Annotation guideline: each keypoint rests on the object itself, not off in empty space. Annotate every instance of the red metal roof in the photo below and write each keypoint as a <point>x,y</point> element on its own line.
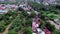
<point>47,31</point>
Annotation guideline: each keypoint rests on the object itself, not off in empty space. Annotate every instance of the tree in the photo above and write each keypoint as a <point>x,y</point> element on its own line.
<point>27,30</point>
<point>1,17</point>
<point>12,32</point>
<point>56,32</point>
<point>50,27</point>
<point>2,26</point>
<point>20,9</point>
<point>28,22</point>
<point>24,13</point>
<point>33,14</point>
<point>42,24</point>
<point>57,6</point>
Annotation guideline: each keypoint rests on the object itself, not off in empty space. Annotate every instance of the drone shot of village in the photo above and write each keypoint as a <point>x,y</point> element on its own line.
<point>29,16</point>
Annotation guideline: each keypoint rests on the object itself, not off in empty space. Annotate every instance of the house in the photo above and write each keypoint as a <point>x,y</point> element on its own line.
<point>13,7</point>
<point>33,33</point>
<point>3,11</point>
<point>2,7</point>
<point>29,13</point>
<point>39,31</point>
<point>47,2</point>
<point>7,6</point>
<point>33,26</point>
<point>47,31</point>
<point>24,6</point>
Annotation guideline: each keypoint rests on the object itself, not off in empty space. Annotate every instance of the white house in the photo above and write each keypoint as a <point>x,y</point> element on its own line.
<point>39,31</point>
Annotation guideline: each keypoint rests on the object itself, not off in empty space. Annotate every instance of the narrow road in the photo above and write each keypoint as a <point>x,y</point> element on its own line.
<point>57,26</point>
<point>6,30</point>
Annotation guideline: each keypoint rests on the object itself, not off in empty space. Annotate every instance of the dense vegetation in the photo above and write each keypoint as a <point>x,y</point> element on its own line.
<point>21,20</point>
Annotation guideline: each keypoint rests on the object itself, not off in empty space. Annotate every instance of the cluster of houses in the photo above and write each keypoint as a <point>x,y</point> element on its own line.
<point>36,30</point>
<point>5,7</point>
<point>35,26</point>
<point>7,0</point>
<point>25,6</point>
<point>35,23</point>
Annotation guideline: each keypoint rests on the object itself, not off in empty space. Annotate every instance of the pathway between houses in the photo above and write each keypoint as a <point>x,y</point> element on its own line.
<point>6,30</point>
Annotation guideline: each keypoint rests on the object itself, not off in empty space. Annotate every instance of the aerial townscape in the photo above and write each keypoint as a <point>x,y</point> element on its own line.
<point>29,16</point>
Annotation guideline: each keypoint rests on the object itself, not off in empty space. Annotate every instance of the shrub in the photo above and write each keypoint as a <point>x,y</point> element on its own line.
<point>12,32</point>
<point>27,30</point>
<point>50,27</point>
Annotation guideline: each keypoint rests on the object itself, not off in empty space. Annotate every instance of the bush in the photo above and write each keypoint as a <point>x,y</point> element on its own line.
<point>27,30</point>
<point>2,28</point>
<point>28,22</point>
<point>56,32</point>
<point>42,24</point>
<point>24,13</point>
<point>33,14</point>
<point>12,32</point>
